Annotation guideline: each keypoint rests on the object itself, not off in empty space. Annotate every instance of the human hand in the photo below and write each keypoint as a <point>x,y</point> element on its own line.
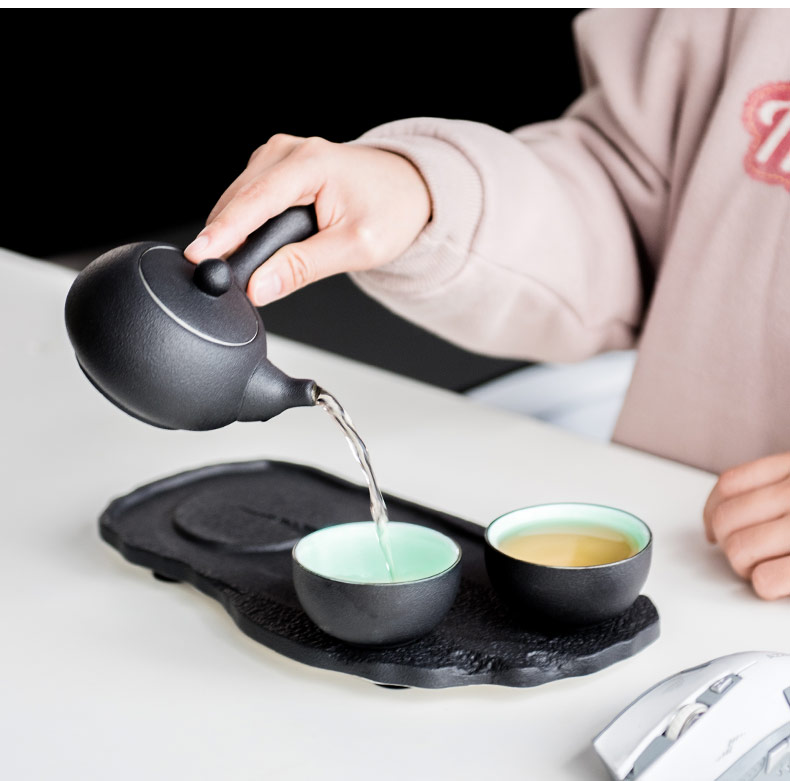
<point>748,514</point>
<point>370,206</point>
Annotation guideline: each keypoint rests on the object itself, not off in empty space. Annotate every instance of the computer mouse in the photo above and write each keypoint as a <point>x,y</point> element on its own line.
<point>727,719</point>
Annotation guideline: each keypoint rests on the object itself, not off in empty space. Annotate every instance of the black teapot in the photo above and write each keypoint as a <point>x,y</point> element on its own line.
<point>179,345</point>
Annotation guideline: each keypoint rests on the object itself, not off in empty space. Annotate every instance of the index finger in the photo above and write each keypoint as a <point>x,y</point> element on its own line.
<point>744,478</point>
<point>291,182</point>
<point>264,157</point>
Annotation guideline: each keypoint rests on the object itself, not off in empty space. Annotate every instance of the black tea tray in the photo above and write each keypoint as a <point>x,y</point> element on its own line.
<point>229,529</point>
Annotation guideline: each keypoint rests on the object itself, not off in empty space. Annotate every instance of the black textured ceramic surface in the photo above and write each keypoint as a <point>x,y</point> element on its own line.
<point>179,347</point>
<point>354,611</point>
<point>228,529</point>
<point>574,595</point>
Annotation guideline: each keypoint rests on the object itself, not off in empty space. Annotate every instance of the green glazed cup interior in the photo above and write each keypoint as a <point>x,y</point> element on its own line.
<point>350,552</point>
<point>545,518</point>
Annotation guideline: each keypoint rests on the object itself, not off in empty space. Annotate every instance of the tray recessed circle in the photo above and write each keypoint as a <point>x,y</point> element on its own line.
<point>236,526</point>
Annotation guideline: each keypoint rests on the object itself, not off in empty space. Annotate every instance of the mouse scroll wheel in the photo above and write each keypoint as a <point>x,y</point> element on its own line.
<point>684,718</point>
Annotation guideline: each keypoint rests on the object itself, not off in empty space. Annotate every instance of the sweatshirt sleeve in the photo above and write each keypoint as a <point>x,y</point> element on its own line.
<point>540,239</point>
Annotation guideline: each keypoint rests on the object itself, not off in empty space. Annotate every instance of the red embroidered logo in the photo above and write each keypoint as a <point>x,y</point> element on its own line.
<point>766,115</point>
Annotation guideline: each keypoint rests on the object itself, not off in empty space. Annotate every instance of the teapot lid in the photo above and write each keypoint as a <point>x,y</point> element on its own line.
<point>219,313</point>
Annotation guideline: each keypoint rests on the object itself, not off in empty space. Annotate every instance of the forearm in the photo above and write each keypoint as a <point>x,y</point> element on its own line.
<point>518,260</point>
<point>544,240</point>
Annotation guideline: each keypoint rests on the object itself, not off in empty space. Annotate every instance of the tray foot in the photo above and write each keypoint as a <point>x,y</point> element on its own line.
<point>165,578</point>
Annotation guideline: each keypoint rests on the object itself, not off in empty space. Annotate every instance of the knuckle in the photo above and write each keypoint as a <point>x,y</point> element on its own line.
<point>718,520</point>
<point>313,146</point>
<point>256,154</point>
<point>222,226</point>
<point>728,481</point>
<point>366,242</point>
<point>301,268</point>
<point>218,225</point>
<point>253,191</point>
<point>276,142</point>
<point>279,140</point>
<point>763,582</point>
<point>738,552</point>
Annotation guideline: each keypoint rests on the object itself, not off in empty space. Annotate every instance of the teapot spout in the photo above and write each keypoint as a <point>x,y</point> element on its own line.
<point>270,392</point>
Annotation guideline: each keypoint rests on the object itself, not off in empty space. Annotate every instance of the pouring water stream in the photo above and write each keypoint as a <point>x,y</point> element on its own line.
<point>378,509</point>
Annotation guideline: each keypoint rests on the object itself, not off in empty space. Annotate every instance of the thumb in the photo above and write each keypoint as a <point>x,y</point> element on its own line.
<point>296,265</point>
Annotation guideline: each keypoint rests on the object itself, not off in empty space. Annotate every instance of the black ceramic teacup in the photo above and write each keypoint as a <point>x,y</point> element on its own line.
<point>343,584</point>
<point>573,595</point>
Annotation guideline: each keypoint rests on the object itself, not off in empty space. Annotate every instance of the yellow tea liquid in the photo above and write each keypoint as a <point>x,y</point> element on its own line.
<point>571,545</point>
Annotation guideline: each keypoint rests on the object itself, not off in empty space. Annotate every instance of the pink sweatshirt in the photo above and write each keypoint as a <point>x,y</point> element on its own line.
<point>655,212</point>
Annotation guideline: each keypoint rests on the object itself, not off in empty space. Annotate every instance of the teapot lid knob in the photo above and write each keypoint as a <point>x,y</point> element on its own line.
<point>213,277</point>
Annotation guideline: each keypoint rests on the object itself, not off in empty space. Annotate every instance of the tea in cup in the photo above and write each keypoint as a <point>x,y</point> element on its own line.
<point>572,563</point>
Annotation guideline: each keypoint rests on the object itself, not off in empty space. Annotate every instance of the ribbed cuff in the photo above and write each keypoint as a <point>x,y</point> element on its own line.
<point>441,250</point>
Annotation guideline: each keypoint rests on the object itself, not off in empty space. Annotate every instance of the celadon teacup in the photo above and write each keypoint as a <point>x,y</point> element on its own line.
<point>343,585</point>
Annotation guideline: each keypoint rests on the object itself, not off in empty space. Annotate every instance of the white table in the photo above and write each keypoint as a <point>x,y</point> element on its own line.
<point>109,674</point>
